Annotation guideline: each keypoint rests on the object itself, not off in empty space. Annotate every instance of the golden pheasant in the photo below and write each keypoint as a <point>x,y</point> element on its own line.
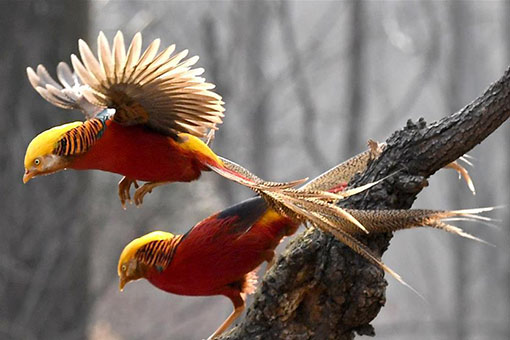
<point>146,113</point>
<point>219,255</point>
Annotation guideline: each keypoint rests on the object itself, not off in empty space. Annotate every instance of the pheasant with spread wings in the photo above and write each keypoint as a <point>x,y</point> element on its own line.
<point>146,114</point>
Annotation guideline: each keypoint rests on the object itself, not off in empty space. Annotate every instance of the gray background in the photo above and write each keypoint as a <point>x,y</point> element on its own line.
<point>306,84</point>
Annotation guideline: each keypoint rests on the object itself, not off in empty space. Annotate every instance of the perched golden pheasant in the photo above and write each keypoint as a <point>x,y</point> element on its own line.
<point>219,255</point>
<point>146,113</point>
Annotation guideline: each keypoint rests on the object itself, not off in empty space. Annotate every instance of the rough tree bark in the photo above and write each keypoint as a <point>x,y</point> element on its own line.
<point>319,288</point>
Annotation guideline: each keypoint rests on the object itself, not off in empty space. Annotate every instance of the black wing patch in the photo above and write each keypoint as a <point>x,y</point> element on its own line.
<point>246,212</point>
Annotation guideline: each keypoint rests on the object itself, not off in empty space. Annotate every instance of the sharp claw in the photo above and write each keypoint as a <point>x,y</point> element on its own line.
<point>124,191</point>
<point>143,190</point>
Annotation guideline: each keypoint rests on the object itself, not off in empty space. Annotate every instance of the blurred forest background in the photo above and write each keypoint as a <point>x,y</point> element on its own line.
<point>306,84</point>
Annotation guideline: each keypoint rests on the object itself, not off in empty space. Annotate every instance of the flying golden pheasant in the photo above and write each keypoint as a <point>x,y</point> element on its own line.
<point>146,113</point>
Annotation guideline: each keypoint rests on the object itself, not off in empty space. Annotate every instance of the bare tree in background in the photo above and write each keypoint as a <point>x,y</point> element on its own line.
<point>431,56</point>
<point>506,27</point>
<point>306,58</point>
<point>45,260</point>
<point>219,71</point>
<point>302,87</point>
<point>458,77</point>
<point>257,16</point>
<point>355,78</point>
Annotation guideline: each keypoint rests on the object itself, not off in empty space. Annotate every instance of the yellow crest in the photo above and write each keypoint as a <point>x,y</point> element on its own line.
<point>130,250</point>
<point>45,142</point>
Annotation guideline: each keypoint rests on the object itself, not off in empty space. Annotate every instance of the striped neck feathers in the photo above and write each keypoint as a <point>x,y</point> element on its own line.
<point>155,249</point>
<point>80,138</point>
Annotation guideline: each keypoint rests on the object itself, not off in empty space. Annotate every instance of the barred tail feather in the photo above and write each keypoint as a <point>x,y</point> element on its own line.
<point>319,221</point>
<point>342,173</point>
<point>280,196</point>
<point>377,221</point>
<point>310,204</point>
<point>324,216</point>
<point>345,171</point>
<point>237,170</point>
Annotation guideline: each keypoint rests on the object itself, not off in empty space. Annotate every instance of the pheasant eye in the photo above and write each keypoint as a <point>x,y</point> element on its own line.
<point>123,268</point>
<point>37,161</point>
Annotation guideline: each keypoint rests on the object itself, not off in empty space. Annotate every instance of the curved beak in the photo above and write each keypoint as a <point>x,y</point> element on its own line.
<point>122,282</point>
<point>27,176</point>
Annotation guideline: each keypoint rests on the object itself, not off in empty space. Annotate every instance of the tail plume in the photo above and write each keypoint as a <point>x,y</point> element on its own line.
<point>312,204</point>
<point>343,172</point>
<point>379,221</point>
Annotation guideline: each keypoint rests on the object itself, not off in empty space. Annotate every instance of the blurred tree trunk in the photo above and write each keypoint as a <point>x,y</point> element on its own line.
<point>250,28</point>
<point>257,16</point>
<point>219,71</point>
<point>506,41</point>
<point>302,87</point>
<point>355,78</point>
<point>458,77</point>
<point>44,246</point>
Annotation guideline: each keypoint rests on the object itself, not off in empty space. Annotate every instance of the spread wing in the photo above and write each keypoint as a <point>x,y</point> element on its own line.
<point>158,90</point>
<point>68,94</point>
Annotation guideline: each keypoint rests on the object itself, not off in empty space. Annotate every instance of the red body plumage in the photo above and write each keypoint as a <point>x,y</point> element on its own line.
<point>216,255</point>
<point>139,153</point>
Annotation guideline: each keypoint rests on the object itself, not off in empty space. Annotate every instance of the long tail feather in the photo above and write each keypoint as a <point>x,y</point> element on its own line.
<point>236,170</point>
<point>321,222</point>
<point>377,221</point>
<point>357,190</point>
<point>280,195</point>
<point>312,205</point>
<point>344,172</point>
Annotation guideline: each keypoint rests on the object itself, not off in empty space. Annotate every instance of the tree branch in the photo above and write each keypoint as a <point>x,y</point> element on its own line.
<point>319,288</point>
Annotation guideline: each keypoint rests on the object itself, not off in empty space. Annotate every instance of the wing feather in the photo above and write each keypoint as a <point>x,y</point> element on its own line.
<point>144,61</point>
<point>83,73</point>
<point>119,55</point>
<point>153,68</point>
<point>105,59</point>
<point>57,101</point>
<point>45,77</point>
<point>133,55</point>
<point>159,90</point>
<point>65,75</point>
<point>91,64</point>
